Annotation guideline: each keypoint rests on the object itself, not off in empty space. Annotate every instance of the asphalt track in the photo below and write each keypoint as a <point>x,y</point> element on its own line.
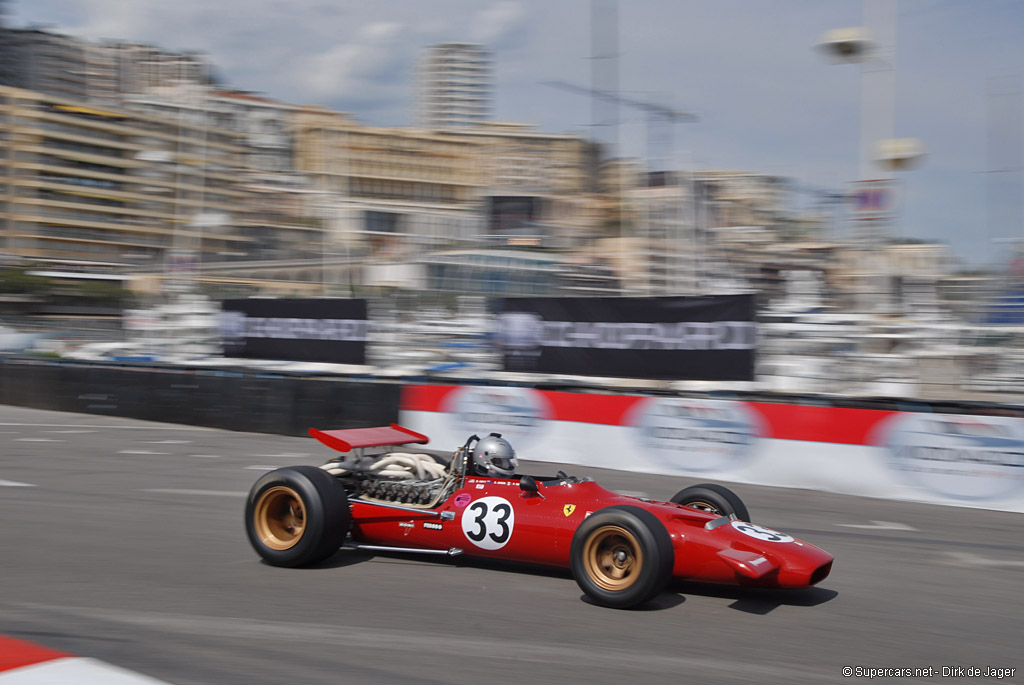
<point>123,540</point>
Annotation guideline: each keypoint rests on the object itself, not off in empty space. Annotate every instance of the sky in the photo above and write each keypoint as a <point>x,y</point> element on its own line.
<point>767,100</point>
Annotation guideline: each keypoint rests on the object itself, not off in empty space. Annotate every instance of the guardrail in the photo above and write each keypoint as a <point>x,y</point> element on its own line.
<point>954,453</point>
<point>242,400</point>
<point>971,456</point>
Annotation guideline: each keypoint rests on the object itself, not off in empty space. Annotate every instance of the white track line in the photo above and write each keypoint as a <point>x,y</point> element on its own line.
<point>160,427</point>
<point>15,484</point>
<point>282,455</point>
<point>968,559</point>
<point>878,525</point>
<point>210,493</point>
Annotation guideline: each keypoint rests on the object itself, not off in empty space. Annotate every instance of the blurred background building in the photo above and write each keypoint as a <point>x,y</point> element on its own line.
<point>132,165</point>
<point>49,62</point>
<point>453,86</point>
<point>108,186</point>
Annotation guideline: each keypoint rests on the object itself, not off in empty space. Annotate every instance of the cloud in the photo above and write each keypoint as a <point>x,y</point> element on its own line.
<point>111,19</point>
<point>500,26</point>
<point>370,67</point>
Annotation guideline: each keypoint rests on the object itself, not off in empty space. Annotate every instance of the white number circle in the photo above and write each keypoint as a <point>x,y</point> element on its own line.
<point>488,522</point>
<point>760,532</point>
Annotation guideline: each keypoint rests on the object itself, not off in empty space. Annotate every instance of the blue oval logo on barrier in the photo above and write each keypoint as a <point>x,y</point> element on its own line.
<point>969,458</point>
<point>516,413</point>
<point>694,435</point>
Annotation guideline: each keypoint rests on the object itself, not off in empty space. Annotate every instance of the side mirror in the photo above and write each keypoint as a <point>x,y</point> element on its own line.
<point>529,486</point>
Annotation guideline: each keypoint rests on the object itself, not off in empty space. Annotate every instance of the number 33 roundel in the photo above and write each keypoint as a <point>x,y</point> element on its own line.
<point>488,522</point>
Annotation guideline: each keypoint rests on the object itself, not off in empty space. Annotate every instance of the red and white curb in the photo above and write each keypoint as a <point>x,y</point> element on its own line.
<point>25,663</point>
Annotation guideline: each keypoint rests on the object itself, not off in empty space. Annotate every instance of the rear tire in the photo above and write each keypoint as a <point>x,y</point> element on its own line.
<point>297,515</point>
<point>621,556</point>
<point>712,498</point>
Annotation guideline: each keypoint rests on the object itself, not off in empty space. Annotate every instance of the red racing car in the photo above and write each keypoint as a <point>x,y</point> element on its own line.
<point>381,495</point>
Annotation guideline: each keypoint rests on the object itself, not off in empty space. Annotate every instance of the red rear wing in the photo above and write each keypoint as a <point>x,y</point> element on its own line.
<point>351,438</point>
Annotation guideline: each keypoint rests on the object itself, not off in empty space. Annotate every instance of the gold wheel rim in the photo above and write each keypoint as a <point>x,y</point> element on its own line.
<point>704,506</point>
<point>280,518</point>
<point>613,558</point>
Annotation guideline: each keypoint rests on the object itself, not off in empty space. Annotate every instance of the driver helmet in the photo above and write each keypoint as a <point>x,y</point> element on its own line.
<point>494,456</point>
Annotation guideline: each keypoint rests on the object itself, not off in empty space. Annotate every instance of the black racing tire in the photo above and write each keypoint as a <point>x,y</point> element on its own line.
<point>297,515</point>
<point>621,556</point>
<point>713,498</point>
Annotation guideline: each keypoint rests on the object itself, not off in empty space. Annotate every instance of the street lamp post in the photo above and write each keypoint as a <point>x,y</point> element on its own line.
<point>878,149</point>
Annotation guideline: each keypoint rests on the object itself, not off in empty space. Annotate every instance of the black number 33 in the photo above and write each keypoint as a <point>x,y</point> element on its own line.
<point>503,511</point>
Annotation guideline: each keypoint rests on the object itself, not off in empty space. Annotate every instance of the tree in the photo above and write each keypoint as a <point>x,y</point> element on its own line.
<point>19,281</point>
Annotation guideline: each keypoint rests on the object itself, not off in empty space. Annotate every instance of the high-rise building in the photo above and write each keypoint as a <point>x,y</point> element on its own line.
<point>453,86</point>
<point>66,66</point>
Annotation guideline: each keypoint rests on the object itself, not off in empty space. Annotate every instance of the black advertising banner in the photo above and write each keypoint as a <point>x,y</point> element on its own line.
<point>668,338</point>
<point>328,330</point>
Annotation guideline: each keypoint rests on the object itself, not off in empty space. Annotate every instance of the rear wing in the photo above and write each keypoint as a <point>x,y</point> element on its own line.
<point>348,439</point>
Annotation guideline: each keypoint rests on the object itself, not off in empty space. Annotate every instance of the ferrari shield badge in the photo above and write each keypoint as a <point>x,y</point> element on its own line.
<point>568,509</point>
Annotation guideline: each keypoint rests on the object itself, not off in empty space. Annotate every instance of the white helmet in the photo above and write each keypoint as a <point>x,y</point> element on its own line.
<point>494,456</point>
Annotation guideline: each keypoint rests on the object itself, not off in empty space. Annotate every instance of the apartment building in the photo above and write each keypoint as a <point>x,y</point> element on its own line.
<point>262,125</point>
<point>453,86</point>
<point>403,189</point>
<point>741,198</point>
<point>79,69</point>
<point>140,67</point>
<point>537,188</point>
<point>43,61</point>
<point>453,176</point>
<point>107,187</point>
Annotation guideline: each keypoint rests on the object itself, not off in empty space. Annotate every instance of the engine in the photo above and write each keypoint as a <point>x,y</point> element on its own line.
<point>396,477</point>
<point>401,491</point>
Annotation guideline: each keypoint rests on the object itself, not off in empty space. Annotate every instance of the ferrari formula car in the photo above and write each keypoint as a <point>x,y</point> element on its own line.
<point>381,495</point>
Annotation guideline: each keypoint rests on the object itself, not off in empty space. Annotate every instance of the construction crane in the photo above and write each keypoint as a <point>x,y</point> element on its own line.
<point>660,118</point>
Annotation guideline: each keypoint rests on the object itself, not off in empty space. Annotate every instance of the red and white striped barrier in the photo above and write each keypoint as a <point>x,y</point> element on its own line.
<point>26,663</point>
<point>956,459</point>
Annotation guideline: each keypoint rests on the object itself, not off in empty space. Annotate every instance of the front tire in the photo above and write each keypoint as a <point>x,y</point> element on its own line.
<point>621,556</point>
<point>297,515</point>
<point>712,498</point>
